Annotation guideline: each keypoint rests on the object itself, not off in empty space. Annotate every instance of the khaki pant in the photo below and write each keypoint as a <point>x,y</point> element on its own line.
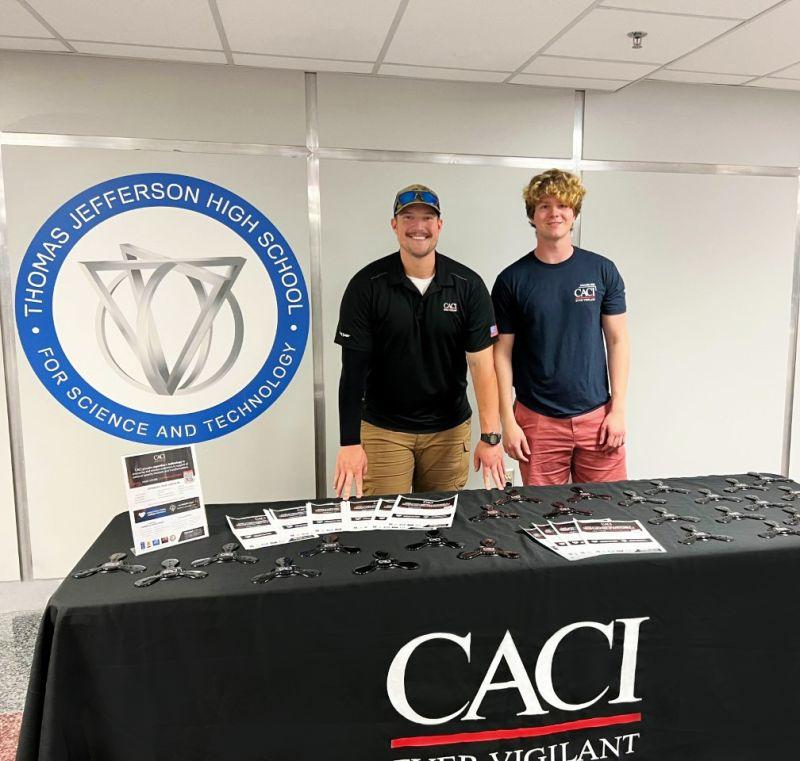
<point>399,463</point>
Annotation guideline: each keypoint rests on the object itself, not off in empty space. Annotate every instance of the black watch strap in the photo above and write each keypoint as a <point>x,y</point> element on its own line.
<point>491,438</point>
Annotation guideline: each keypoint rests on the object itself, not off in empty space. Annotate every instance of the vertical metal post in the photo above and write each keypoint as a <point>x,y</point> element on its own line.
<point>315,249</point>
<point>791,368</point>
<point>9,349</point>
<point>577,151</point>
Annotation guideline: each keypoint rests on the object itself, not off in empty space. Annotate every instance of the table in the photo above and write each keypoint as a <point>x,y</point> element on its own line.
<point>693,654</point>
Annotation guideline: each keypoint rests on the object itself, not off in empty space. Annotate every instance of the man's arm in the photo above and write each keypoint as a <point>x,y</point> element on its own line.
<point>490,458</point>
<point>615,331</point>
<point>514,441</point>
<point>351,462</point>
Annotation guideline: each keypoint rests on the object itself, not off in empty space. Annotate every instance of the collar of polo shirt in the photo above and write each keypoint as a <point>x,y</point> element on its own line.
<point>441,273</point>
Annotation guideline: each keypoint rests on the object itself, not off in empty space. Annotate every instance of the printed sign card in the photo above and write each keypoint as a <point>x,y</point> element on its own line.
<point>165,501</point>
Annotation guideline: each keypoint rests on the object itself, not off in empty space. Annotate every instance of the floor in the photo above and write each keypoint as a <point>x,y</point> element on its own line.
<point>21,606</point>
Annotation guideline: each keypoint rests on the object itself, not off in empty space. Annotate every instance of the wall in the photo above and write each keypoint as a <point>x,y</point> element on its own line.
<point>707,250</point>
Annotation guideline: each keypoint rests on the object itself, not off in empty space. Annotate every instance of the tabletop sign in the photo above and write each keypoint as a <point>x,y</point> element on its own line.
<point>165,501</point>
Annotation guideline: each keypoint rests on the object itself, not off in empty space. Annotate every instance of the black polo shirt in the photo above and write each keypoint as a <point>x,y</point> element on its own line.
<point>417,377</point>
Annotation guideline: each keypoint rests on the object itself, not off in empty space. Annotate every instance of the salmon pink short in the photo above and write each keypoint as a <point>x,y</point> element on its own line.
<point>564,449</point>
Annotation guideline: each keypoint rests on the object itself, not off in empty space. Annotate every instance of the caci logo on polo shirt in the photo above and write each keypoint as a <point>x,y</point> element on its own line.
<point>585,292</point>
<point>450,306</point>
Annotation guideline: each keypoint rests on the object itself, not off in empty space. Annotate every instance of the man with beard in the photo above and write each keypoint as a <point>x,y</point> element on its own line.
<point>409,326</point>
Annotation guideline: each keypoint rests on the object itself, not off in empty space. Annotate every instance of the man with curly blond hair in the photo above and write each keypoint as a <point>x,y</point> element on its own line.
<point>554,308</point>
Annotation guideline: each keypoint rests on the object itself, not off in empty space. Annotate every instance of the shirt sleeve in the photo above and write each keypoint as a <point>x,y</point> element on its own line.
<point>614,296</point>
<point>480,330</point>
<point>355,365</point>
<point>504,307</point>
<point>354,330</point>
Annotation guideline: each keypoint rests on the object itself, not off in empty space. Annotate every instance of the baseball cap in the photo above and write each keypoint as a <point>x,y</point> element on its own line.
<point>416,194</point>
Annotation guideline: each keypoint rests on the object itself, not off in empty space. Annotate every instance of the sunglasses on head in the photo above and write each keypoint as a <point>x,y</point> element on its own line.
<point>412,196</point>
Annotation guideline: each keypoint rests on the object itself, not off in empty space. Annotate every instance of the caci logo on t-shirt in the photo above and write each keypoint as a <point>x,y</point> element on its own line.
<point>585,292</point>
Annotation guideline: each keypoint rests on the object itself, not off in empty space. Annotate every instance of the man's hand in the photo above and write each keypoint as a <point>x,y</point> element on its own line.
<point>490,458</point>
<point>515,442</point>
<point>612,431</point>
<point>351,465</point>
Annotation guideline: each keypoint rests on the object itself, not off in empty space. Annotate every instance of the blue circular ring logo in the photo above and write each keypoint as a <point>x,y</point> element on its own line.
<point>64,229</point>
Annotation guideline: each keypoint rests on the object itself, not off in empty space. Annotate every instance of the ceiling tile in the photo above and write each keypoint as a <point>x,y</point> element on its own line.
<point>725,8</point>
<point>602,34</point>
<point>18,22</point>
<point>144,51</point>
<point>761,46</point>
<point>791,72</point>
<point>32,43</point>
<point>698,77</point>
<point>575,83</point>
<point>579,67</point>
<point>183,23</point>
<point>499,35</point>
<point>303,64</point>
<point>345,29</point>
<point>428,72</point>
<point>774,83</point>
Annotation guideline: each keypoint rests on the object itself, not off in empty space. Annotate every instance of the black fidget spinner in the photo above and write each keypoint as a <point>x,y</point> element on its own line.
<point>329,543</point>
<point>230,554</point>
<point>114,563</point>
<point>666,516</point>
<point>435,539</point>
<point>491,511</point>
<point>582,494</point>
<point>638,499</point>
<point>737,485</point>
<point>710,496</point>
<point>791,494</point>
<point>695,535</point>
<point>285,568</point>
<point>767,480</point>
<point>562,510</point>
<point>383,561</point>
<point>775,529</point>
<point>661,488</point>
<point>732,515</point>
<point>760,504</point>
<point>171,570</point>
<point>488,548</point>
<point>795,519</point>
<point>512,495</point>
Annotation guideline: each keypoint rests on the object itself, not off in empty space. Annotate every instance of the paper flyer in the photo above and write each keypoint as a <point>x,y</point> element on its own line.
<point>165,501</point>
<point>294,522</point>
<point>255,531</point>
<point>413,513</point>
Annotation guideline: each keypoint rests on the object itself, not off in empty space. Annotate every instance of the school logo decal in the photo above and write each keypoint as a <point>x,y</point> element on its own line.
<point>162,308</point>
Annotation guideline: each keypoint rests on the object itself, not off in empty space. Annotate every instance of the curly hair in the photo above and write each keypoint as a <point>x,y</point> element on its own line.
<point>564,186</point>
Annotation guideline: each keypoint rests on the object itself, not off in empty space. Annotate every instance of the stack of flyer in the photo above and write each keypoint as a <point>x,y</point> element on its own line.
<point>282,525</point>
<point>576,540</point>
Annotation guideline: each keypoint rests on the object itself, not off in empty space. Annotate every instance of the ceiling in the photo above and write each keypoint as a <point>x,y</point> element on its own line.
<point>580,44</point>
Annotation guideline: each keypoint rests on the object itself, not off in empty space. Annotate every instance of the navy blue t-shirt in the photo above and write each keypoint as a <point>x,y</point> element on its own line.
<point>553,310</point>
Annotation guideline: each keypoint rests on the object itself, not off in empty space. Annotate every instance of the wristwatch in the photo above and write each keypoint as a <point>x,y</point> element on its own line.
<point>491,438</point>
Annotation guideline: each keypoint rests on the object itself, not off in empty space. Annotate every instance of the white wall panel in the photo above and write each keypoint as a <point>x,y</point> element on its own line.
<point>9,561</point>
<point>484,227</point>
<point>447,117</point>
<point>77,95</point>
<point>659,121</point>
<point>73,470</point>
<point>707,262</point>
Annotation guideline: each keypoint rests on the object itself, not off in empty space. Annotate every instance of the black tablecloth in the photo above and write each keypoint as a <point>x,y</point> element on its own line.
<point>220,669</point>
